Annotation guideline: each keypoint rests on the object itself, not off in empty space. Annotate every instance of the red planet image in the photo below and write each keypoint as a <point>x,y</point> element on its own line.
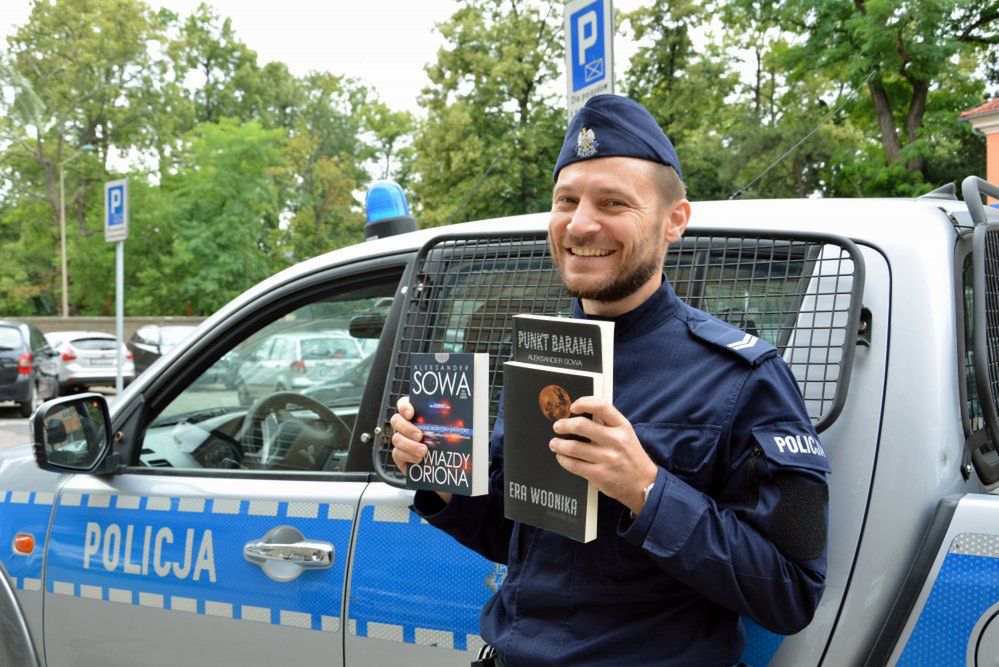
<point>554,402</point>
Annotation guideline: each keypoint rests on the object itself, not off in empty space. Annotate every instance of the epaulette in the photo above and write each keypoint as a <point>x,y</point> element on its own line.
<point>751,348</point>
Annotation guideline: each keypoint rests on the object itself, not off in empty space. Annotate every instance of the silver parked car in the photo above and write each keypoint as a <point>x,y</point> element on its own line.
<point>88,358</point>
<point>294,361</point>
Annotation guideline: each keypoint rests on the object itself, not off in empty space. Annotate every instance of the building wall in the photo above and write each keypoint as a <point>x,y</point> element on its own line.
<point>992,160</point>
<point>105,324</point>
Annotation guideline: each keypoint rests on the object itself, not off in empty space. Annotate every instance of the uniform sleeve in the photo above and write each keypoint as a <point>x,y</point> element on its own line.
<point>759,548</point>
<point>476,522</point>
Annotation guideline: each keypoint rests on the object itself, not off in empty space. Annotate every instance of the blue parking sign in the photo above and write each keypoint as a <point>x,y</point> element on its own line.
<point>589,30</point>
<point>116,210</point>
<point>587,40</point>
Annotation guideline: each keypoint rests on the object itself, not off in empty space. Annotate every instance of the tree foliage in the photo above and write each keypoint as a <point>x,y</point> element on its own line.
<point>491,98</point>
<point>236,168</point>
<point>239,168</point>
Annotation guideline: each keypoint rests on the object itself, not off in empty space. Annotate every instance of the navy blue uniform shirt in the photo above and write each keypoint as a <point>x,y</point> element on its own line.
<point>735,524</point>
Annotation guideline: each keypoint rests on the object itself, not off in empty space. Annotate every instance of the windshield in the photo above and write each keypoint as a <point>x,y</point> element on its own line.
<point>10,338</point>
<point>94,343</point>
<point>329,348</point>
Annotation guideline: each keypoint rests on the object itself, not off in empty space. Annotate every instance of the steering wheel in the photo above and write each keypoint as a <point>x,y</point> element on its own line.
<point>277,403</point>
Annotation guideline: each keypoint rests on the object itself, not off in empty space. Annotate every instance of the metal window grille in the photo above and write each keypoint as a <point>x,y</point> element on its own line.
<point>799,292</point>
<point>985,358</point>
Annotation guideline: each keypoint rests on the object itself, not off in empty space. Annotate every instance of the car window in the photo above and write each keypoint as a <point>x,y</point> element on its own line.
<point>753,296</point>
<point>281,350</point>
<point>37,339</point>
<point>10,338</point>
<point>103,344</point>
<point>148,335</point>
<point>295,412</point>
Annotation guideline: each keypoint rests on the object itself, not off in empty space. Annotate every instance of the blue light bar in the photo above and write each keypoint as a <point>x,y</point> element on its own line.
<point>385,199</point>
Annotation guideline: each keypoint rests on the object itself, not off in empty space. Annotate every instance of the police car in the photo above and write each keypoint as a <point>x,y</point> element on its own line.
<point>189,525</point>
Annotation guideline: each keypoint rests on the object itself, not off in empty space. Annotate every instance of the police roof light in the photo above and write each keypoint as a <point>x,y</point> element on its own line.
<point>387,211</point>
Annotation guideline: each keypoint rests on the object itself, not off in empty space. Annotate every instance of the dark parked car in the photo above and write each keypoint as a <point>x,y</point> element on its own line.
<point>151,342</point>
<point>27,366</point>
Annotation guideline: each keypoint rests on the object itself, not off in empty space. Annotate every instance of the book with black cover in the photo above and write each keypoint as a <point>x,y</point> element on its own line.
<point>450,398</point>
<point>556,361</point>
<point>564,342</point>
<point>538,490</point>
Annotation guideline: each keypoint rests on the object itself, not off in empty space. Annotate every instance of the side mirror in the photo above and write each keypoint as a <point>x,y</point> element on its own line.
<point>73,434</point>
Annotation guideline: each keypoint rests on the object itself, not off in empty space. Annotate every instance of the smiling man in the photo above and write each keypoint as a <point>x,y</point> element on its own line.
<point>706,514</point>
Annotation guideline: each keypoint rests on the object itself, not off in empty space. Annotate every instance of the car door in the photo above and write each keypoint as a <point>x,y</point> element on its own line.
<point>225,540</point>
<point>415,595</point>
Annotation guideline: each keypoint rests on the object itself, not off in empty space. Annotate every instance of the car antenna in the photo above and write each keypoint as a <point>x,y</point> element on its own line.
<point>471,192</point>
<point>738,193</point>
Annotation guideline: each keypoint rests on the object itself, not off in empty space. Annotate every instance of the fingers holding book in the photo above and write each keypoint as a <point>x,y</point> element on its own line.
<point>613,458</point>
<point>407,441</point>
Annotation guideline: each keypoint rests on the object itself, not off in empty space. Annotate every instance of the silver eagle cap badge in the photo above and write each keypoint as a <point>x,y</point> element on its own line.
<point>586,143</point>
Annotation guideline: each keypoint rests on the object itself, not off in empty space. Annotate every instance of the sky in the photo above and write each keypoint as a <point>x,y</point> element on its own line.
<point>384,43</point>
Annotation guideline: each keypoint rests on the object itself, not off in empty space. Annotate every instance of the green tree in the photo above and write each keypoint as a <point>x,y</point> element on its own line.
<point>323,168</point>
<point>71,75</point>
<point>208,53</point>
<point>393,132</point>
<point>492,95</point>
<point>223,76</point>
<point>223,198</point>
<point>685,88</point>
<point>915,48</point>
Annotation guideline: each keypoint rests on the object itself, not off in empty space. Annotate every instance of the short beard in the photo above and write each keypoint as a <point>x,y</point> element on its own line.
<point>620,286</point>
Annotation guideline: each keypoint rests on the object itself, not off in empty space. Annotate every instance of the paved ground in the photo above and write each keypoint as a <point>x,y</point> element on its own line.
<point>14,428</point>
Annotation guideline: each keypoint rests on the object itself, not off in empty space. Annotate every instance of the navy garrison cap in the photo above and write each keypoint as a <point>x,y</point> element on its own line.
<point>611,125</point>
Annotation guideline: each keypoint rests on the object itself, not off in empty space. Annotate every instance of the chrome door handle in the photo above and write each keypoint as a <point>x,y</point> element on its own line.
<point>284,553</point>
<point>306,554</point>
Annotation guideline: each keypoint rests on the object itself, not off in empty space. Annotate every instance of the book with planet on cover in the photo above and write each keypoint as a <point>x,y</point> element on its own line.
<point>450,398</point>
<point>579,355</point>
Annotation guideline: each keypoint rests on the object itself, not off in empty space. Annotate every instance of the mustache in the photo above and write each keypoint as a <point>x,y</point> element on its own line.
<point>594,240</point>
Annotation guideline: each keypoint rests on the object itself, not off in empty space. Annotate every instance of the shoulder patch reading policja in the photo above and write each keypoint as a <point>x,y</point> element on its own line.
<point>586,143</point>
<point>798,522</point>
<point>792,444</point>
<point>745,345</point>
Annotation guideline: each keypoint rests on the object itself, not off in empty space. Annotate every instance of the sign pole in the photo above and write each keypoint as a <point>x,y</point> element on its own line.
<point>116,231</point>
<point>119,308</point>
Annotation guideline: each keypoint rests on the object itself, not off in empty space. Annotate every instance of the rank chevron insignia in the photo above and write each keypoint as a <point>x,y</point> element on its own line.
<point>748,341</point>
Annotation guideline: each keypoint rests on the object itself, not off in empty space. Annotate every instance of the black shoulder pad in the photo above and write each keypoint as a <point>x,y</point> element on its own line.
<point>749,347</point>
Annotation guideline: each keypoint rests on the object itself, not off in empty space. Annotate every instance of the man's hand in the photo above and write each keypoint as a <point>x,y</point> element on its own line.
<point>407,441</point>
<point>614,459</point>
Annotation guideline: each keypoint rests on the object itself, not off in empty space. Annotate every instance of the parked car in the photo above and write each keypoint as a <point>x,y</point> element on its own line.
<point>152,341</point>
<point>89,358</point>
<point>295,361</point>
<point>27,367</point>
<point>344,387</point>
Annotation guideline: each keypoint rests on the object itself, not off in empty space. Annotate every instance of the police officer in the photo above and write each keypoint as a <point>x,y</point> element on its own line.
<point>713,496</point>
